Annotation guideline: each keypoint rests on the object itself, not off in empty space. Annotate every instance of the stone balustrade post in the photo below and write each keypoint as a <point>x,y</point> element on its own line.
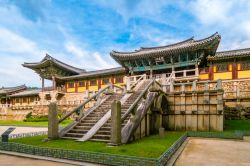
<point>53,121</point>
<point>128,84</point>
<point>194,86</point>
<point>164,82</point>
<point>219,85</point>
<point>196,70</point>
<point>115,123</point>
<point>206,88</point>
<point>184,73</point>
<point>171,86</point>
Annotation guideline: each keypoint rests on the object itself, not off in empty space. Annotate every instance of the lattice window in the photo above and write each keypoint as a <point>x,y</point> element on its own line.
<point>245,66</point>
<point>222,68</point>
<point>183,57</point>
<point>71,85</point>
<point>25,100</point>
<point>119,80</point>
<point>82,84</point>
<point>176,58</point>
<point>191,56</point>
<point>93,83</point>
<point>105,81</point>
<point>204,70</point>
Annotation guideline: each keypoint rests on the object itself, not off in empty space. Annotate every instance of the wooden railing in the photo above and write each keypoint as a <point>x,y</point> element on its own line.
<point>186,73</point>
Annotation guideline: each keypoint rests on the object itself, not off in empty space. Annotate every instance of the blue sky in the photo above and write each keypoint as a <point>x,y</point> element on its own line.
<point>83,32</point>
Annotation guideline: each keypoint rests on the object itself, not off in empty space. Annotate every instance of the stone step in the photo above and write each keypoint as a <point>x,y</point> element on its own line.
<point>99,136</point>
<point>79,131</point>
<point>78,135</point>
<point>83,127</point>
<point>101,132</point>
<point>74,138</point>
<point>86,124</point>
<point>99,140</point>
<point>89,120</point>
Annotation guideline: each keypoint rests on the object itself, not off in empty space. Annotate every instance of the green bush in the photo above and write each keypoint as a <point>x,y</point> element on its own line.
<point>36,118</point>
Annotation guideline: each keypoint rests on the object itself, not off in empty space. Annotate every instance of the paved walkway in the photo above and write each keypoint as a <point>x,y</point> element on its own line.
<point>215,152</point>
<point>8,160</point>
<point>19,130</point>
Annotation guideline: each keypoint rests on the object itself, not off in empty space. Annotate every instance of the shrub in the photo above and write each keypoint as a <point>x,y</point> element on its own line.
<point>35,118</point>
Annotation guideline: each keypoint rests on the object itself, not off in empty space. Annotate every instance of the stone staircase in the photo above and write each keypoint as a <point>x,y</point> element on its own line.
<point>104,133</point>
<point>89,121</point>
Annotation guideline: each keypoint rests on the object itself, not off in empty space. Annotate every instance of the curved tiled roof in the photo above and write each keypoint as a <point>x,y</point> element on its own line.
<point>48,59</point>
<point>230,54</point>
<point>169,49</point>
<point>7,90</point>
<point>28,92</point>
<point>91,74</point>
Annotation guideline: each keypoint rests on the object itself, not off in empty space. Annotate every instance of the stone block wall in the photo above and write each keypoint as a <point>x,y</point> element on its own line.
<point>195,109</point>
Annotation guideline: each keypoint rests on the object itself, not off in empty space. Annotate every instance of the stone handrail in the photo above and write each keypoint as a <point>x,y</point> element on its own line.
<point>85,102</point>
<point>137,100</point>
<point>137,81</point>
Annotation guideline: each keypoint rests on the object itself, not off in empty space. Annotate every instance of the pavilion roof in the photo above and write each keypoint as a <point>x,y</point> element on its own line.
<point>10,90</point>
<point>97,73</point>
<point>28,92</point>
<point>210,43</point>
<point>230,54</point>
<point>47,60</point>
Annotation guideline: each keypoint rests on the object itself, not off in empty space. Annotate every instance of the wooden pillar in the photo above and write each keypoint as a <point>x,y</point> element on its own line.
<point>151,71</point>
<point>211,72</point>
<point>234,71</point>
<point>76,86</point>
<point>42,84</point>
<point>54,82</point>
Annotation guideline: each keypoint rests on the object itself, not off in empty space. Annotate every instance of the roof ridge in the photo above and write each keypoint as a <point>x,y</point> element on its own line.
<point>216,34</point>
<point>235,50</point>
<point>49,57</point>
<point>169,45</point>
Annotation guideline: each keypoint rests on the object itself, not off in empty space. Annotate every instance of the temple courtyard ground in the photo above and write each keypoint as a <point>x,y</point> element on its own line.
<point>19,130</point>
<point>216,152</point>
<point>8,160</point>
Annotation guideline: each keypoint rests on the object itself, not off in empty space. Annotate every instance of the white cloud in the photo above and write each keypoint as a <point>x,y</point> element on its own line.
<point>211,12</point>
<point>87,59</point>
<point>11,42</point>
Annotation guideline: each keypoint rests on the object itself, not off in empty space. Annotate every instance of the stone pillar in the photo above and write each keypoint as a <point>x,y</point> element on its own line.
<point>115,123</point>
<point>220,106</point>
<point>128,84</point>
<point>194,116</point>
<point>53,122</point>
<point>164,79</point>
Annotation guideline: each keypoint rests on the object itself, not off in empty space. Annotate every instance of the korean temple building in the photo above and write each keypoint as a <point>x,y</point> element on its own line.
<point>186,61</point>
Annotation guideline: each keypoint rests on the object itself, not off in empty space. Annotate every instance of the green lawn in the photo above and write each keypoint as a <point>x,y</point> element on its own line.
<point>231,125</point>
<point>151,146</point>
<point>30,124</point>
